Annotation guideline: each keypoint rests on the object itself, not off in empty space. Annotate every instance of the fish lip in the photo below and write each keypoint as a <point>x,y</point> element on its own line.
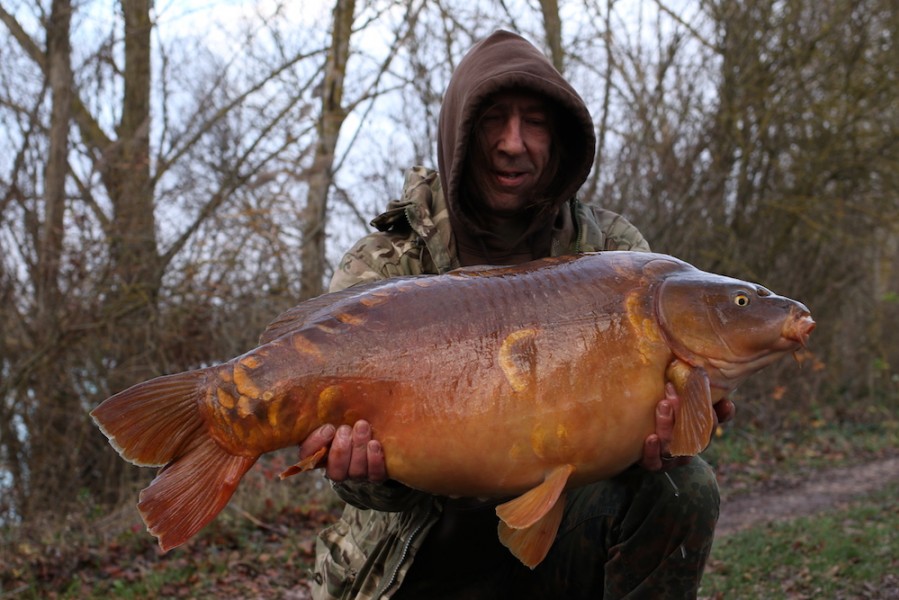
<point>800,329</point>
<point>735,368</point>
<point>731,370</point>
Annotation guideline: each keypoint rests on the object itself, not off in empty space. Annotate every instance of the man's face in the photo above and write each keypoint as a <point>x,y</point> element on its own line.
<point>515,136</point>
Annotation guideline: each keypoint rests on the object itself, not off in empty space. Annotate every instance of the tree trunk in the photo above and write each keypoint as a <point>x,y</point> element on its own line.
<point>331,120</point>
<point>51,234</point>
<point>50,464</point>
<point>131,305</point>
<point>127,173</point>
<point>133,244</point>
<point>552,25</point>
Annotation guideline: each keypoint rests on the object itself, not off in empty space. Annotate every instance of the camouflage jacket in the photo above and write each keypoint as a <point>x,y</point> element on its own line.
<point>368,551</point>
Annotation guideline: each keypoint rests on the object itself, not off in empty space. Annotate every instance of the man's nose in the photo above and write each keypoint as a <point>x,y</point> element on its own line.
<point>511,141</point>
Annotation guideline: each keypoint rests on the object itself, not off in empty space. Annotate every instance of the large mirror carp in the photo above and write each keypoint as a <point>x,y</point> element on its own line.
<point>513,383</point>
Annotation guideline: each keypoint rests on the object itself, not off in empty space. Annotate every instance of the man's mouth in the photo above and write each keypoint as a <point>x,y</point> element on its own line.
<point>510,178</point>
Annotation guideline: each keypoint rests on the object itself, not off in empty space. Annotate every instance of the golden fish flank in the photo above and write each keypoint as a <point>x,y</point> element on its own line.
<point>226,400</point>
<point>515,452</point>
<point>348,319</point>
<point>243,378</point>
<point>372,301</point>
<point>327,329</point>
<point>517,358</point>
<point>326,400</point>
<point>244,407</point>
<point>268,398</point>
<point>562,434</point>
<point>223,410</point>
<point>645,327</point>
<point>547,442</point>
<point>302,345</point>
<point>538,440</point>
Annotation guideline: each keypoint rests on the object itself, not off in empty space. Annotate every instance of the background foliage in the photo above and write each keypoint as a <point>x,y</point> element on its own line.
<point>173,175</point>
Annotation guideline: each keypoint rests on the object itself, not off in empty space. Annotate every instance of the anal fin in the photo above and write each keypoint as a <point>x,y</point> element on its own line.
<point>695,419</point>
<point>307,464</point>
<point>528,524</point>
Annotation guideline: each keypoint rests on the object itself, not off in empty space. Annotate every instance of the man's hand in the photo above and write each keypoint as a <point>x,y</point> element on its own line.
<point>655,448</point>
<point>352,453</point>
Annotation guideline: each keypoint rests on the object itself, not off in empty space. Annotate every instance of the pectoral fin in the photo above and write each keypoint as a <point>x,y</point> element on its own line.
<point>695,419</point>
<point>528,524</point>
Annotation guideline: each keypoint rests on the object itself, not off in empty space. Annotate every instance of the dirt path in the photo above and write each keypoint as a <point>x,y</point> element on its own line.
<point>827,489</point>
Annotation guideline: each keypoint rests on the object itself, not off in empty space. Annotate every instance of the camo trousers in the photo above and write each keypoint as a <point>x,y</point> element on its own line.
<point>639,535</point>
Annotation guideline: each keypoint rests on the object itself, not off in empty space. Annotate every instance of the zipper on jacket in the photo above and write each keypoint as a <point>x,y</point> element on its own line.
<point>581,233</point>
<point>390,580</point>
<point>409,221</point>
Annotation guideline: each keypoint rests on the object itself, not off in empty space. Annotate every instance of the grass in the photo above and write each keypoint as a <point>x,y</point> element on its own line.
<point>852,552</point>
<point>261,546</point>
<point>749,458</point>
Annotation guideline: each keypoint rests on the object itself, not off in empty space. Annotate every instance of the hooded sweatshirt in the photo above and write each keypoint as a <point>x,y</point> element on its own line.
<point>507,62</point>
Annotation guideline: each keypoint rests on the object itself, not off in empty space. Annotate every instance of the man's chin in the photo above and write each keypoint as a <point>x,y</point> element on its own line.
<point>507,208</point>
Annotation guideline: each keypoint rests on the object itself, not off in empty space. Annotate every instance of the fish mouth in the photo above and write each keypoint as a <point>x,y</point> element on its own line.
<point>794,335</point>
<point>726,374</point>
<point>799,328</point>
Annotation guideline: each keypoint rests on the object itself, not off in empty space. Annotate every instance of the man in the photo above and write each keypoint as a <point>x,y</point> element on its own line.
<point>515,144</point>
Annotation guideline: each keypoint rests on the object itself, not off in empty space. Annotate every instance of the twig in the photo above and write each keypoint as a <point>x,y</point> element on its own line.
<point>279,529</point>
<point>15,592</point>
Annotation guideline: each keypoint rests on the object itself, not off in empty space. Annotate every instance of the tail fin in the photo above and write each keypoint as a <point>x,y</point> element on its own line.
<point>149,424</point>
<point>157,423</point>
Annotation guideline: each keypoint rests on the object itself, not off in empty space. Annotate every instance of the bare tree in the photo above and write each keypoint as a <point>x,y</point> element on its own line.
<point>552,25</point>
<point>99,321</point>
<point>330,120</point>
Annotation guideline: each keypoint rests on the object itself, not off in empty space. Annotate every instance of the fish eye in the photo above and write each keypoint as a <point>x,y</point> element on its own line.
<point>741,299</point>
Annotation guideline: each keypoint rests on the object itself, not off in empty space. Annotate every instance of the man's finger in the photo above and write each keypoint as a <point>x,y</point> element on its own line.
<point>652,454</point>
<point>377,468</point>
<point>358,465</point>
<point>664,424</point>
<point>339,456</point>
<point>317,440</point>
<point>725,410</point>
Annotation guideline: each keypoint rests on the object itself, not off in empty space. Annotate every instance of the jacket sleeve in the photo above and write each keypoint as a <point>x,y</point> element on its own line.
<point>602,229</point>
<point>389,496</point>
<point>620,234</point>
<point>363,263</point>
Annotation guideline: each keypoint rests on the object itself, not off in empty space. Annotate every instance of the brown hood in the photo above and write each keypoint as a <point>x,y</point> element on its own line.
<point>500,62</point>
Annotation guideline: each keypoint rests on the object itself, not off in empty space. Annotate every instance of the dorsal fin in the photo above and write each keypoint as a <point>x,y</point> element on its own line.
<point>294,318</point>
